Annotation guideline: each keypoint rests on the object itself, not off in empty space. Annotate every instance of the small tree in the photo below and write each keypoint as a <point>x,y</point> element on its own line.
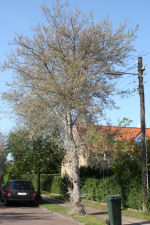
<point>34,155</point>
<point>44,154</point>
<point>60,72</point>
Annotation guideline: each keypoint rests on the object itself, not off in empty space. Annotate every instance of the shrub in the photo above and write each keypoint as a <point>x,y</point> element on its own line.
<point>10,172</point>
<point>148,200</point>
<point>98,189</point>
<point>107,186</point>
<point>134,195</point>
<point>134,199</point>
<point>57,185</point>
<point>89,188</point>
<point>46,182</point>
<point>94,172</point>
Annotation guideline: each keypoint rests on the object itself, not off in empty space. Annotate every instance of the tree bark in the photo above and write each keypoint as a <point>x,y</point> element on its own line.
<point>74,174</point>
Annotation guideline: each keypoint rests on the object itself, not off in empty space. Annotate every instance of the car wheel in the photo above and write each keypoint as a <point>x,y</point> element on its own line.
<point>35,203</point>
<point>2,199</point>
<point>6,203</point>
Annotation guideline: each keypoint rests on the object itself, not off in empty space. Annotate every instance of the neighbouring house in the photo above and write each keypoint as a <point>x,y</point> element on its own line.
<point>96,143</point>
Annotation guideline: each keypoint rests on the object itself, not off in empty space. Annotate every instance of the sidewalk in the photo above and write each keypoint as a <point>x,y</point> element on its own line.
<point>126,220</point>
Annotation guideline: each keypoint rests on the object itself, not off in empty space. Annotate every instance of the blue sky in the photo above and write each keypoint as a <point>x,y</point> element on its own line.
<point>19,16</point>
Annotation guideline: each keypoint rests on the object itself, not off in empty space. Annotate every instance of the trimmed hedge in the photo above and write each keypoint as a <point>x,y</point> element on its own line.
<point>57,186</point>
<point>97,190</point>
<point>94,188</point>
<point>48,182</point>
<point>148,200</point>
<point>89,188</point>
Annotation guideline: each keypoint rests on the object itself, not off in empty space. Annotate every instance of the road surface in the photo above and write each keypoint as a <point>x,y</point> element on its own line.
<point>26,215</point>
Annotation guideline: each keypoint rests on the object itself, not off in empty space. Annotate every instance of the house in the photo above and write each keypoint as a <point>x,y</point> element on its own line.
<point>126,133</point>
<point>96,143</point>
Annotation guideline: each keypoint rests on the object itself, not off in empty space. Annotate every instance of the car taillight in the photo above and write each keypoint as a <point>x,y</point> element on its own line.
<point>0,189</point>
<point>33,192</point>
<point>9,192</point>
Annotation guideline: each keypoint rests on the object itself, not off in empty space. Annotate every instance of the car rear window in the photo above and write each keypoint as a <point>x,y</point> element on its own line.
<point>22,185</point>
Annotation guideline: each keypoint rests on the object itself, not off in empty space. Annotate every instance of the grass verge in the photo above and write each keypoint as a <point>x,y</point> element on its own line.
<point>99,205</point>
<point>53,195</point>
<point>136,214</point>
<point>86,219</point>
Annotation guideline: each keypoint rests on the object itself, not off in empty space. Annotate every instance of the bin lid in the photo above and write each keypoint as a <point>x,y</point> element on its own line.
<point>113,197</point>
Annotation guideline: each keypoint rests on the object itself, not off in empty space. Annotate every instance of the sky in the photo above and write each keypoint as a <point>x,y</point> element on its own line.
<point>19,16</point>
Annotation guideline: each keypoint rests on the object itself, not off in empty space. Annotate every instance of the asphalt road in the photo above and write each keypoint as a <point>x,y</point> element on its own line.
<point>27,215</point>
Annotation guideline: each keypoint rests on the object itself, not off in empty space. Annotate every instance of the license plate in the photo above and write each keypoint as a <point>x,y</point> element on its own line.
<point>22,193</point>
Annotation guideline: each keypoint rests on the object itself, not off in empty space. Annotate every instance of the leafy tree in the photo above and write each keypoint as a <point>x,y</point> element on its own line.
<point>60,73</point>
<point>127,165</point>
<point>10,172</point>
<point>44,155</point>
<point>17,145</point>
<point>36,155</point>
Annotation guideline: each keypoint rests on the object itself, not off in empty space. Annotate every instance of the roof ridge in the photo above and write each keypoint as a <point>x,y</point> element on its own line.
<point>110,126</point>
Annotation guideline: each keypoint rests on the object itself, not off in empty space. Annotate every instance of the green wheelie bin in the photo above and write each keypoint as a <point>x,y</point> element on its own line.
<point>114,209</point>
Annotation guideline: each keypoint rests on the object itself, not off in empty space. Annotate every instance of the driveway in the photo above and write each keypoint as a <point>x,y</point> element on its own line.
<point>26,215</point>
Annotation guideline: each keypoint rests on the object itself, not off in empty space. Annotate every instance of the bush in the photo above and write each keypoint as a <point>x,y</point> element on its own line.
<point>46,182</point>
<point>107,186</point>
<point>133,195</point>
<point>10,172</point>
<point>98,189</point>
<point>134,199</point>
<point>57,185</point>
<point>50,183</point>
<point>148,200</point>
<point>93,172</point>
<point>89,188</point>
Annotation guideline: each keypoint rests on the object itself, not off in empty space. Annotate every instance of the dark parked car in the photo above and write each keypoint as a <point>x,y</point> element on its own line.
<point>19,191</point>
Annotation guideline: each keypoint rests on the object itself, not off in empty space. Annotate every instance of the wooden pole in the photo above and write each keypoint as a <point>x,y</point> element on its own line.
<point>143,133</point>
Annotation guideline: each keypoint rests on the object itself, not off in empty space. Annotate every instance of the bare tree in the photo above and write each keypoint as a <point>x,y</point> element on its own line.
<point>60,72</point>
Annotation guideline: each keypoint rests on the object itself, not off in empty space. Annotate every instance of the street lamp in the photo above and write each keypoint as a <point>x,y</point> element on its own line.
<point>143,127</point>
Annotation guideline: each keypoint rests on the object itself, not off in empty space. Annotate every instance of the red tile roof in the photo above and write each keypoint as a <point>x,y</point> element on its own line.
<point>126,133</point>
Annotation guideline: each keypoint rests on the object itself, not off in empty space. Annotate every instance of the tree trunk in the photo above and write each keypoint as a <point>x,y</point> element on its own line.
<point>74,174</point>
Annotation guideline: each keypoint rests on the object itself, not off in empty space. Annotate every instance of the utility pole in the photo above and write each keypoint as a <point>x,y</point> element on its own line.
<point>143,133</point>
<point>143,128</point>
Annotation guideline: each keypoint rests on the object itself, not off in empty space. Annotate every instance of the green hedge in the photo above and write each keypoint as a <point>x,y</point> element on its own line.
<point>133,194</point>
<point>148,200</point>
<point>89,188</point>
<point>48,182</point>
<point>57,186</point>
<point>98,189</point>
<point>93,188</point>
